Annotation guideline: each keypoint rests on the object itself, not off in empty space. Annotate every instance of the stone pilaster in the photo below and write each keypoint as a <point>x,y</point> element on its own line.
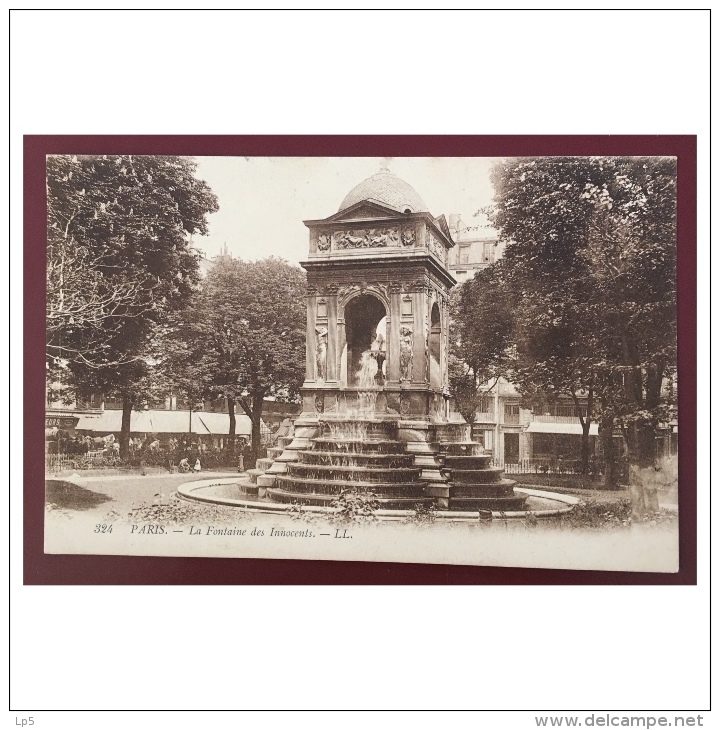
<point>310,341</point>
<point>393,346</point>
<point>332,353</point>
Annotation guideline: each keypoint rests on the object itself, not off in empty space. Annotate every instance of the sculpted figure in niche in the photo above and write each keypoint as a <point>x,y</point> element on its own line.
<point>321,352</point>
<point>406,353</point>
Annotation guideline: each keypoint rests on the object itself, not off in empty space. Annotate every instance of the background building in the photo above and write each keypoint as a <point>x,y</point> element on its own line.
<point>516,435</point>
<point>477,246</point>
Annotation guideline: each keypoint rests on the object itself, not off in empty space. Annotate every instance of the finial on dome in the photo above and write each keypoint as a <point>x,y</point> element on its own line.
<point>384,164</point>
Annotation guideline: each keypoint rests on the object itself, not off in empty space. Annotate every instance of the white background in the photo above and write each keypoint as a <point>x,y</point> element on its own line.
<point>527,648</point>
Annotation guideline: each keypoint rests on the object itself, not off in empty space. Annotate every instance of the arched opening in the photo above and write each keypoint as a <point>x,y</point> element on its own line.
<point>434,348</point>
<point>366,338</point>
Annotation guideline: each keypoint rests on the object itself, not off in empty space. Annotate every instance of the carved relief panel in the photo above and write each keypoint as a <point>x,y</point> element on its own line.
<point>408,237</point>
<point>435,245</point>
<point>366,238</point>
<point>323,243</point>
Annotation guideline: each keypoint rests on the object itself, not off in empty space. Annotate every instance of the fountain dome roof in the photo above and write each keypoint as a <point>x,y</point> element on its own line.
<point>386,188</point>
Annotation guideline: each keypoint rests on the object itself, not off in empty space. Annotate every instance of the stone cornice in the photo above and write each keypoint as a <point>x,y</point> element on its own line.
<point>404,266</point>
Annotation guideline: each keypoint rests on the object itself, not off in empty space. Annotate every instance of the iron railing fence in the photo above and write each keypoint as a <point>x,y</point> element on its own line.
<point>542,466</point>
<point>55,463</point>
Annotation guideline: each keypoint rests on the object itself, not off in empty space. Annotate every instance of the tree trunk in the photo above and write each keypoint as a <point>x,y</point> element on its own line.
<point>646,444</point>
<point>643,490</point>
<point>231,431</point>
<point>585,425</point>
<point>643,482</point>
<point>609,457</point>
<point>125,426</point>
<point>585,446</point>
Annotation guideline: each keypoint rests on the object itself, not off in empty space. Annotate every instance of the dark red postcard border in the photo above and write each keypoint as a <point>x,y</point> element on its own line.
<point>41,569</point>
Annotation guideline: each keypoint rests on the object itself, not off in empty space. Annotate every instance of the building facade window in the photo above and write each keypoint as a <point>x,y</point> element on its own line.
<point>485,404</point>
<point>568,411</point>
<point>512,413</point>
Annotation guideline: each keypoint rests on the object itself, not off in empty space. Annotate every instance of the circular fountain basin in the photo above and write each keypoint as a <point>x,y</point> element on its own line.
<point>226,492</point>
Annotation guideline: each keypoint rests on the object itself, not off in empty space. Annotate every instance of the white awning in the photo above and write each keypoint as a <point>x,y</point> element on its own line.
<point>570,429</point>
<point>156,421</point>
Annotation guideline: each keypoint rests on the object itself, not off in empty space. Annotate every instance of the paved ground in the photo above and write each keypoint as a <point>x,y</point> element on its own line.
<point>100,494</point>
<point>120,493</point>
<point>564,485</point>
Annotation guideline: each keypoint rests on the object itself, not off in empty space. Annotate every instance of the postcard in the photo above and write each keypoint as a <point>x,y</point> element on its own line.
<point>254,351</point>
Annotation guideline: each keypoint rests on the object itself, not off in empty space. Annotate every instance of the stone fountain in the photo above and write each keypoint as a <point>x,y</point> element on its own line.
<point>377,411</point>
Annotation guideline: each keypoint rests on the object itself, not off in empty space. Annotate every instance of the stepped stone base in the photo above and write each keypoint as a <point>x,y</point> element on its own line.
<point>403,464</point>
<point>473,484</point>
<point>438,491</point>
<point>254,474</point>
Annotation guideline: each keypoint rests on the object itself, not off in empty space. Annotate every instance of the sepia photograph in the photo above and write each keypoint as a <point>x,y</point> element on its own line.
<point>464,360</point>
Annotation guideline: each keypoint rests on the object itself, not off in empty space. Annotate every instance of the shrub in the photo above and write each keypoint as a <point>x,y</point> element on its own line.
<point>590,514</point>
<point>297,512</point>
<point>422,515</point>
<point>355,505</point>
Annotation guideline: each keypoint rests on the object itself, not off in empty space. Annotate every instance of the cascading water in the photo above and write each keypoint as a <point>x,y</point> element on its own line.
<point>366,454</point>
<point>360,449</point>
<point>358,453</point>
<point>367,374</point>
<point>475,485</point>
<point>367,377</point>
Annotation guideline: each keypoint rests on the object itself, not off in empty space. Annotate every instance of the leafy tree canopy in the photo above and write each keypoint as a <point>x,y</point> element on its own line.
<point>119,260</point>
<point>243,337</point>
<point>591,263</point>
<point>118,253</point>
<point>588,296</point>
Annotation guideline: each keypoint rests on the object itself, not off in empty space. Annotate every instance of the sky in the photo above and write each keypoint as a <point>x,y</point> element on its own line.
<point>264,200</point>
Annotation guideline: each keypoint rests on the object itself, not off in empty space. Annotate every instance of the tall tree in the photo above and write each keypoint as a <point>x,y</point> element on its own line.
<point>482,337</point>
<point>244,336</point>
<point>119,260</point>
<point>632,263</point>
<point>591,262</point>
<point>555,356</point>
<point>538,340</point>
